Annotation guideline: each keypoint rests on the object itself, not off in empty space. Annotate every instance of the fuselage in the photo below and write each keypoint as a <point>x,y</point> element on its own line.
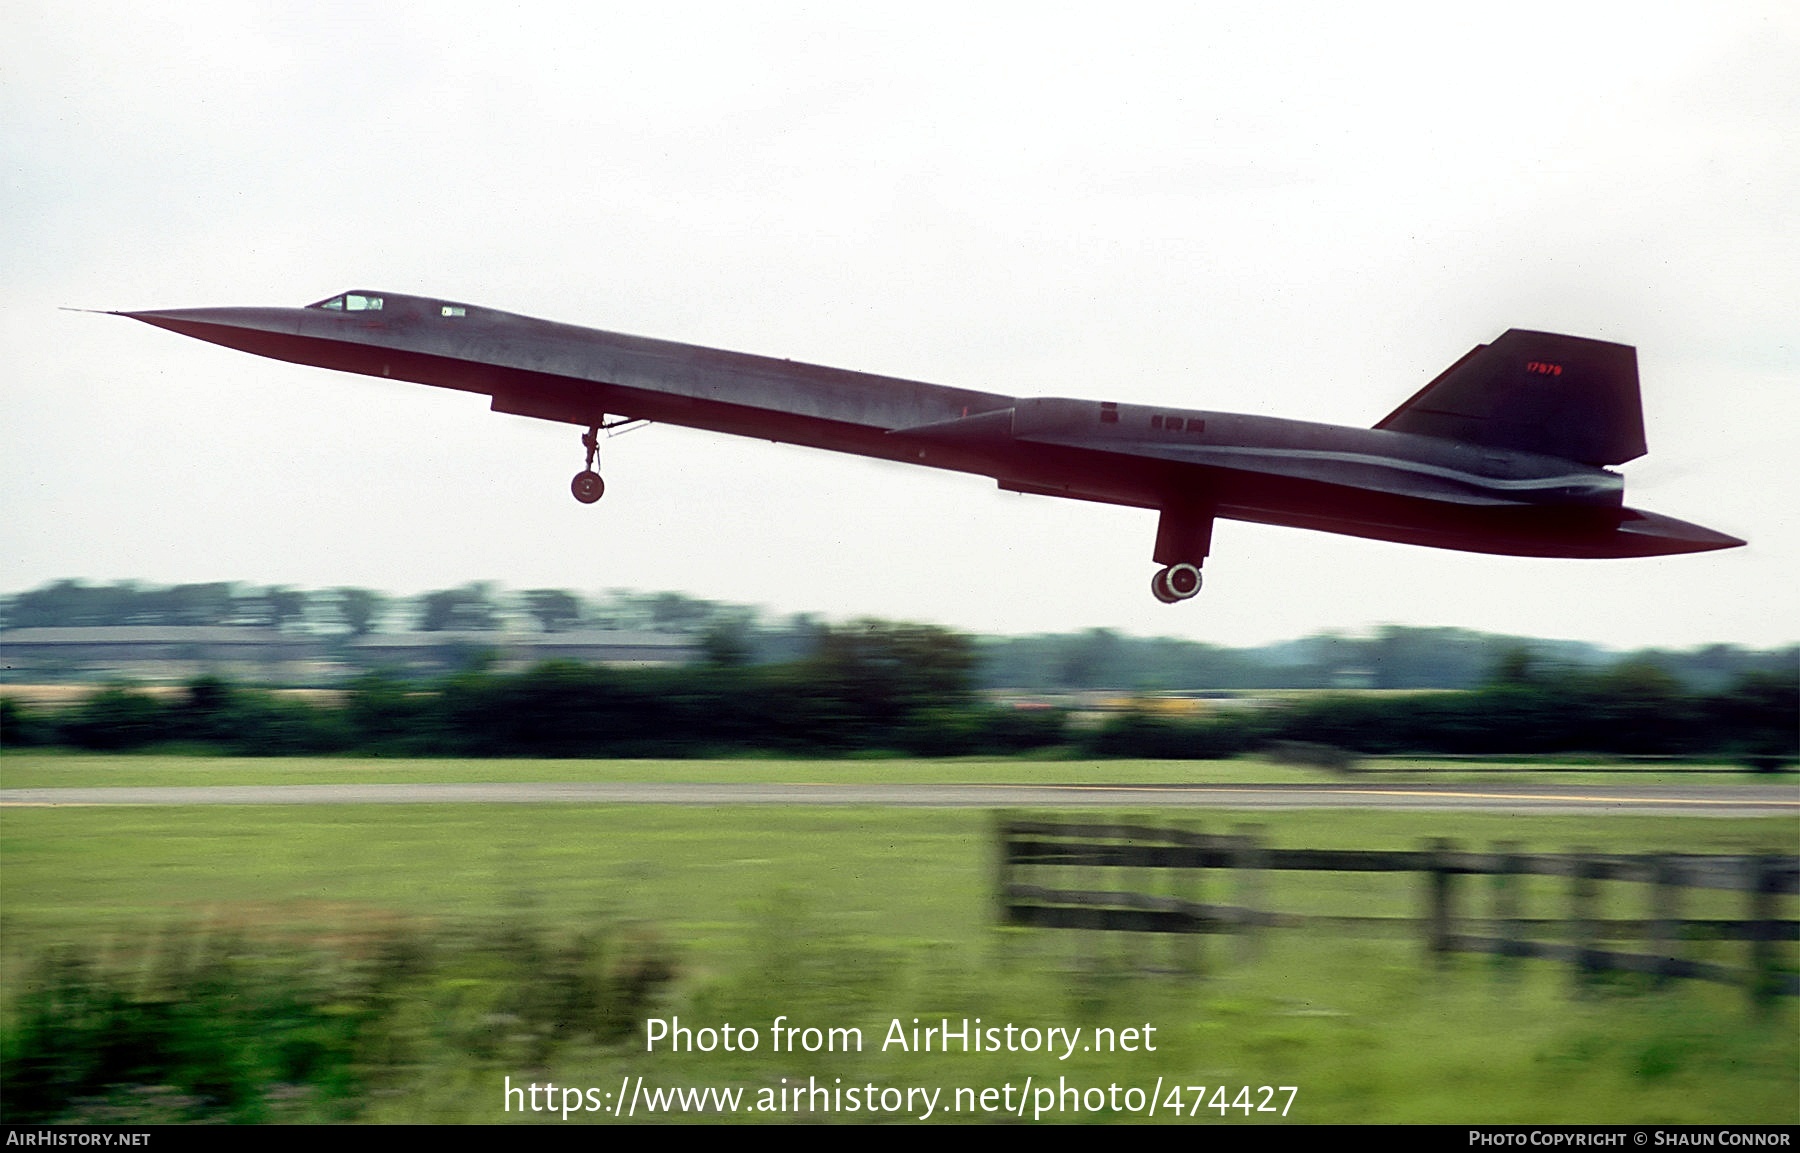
<point>1370,482</point>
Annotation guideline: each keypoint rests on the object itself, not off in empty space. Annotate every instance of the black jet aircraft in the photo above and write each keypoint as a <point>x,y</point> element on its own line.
<point>1504,452</point>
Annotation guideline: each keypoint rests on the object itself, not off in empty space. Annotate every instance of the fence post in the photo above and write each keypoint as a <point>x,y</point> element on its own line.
<point>1248,859</point>
<point>1665,915</point>
<point>1003,874</point>
<point>1507,885</point>
<point>1440,887</point>
<point>1583,895</point>
<point>1189,888</point>
<point>1089,943</point>
<point>1763,976</point>
<point>1134,955</point>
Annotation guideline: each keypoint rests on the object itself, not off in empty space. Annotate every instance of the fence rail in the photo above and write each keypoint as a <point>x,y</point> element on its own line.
<point>1029,847</point>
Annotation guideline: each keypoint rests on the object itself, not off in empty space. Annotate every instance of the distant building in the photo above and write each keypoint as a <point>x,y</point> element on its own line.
<point>448,651</point>
<point>170,653</point>
<point>161,653</point>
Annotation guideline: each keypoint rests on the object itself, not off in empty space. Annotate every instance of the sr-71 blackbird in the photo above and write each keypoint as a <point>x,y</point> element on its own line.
<point>1504,452</point>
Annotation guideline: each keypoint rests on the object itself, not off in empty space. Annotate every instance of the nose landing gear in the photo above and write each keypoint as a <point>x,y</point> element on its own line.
<point>587,485</point>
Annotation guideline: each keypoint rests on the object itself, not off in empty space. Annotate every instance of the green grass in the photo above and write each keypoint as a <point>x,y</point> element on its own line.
<point>34,769</point>
<point>902,875</point>
<point>856,917</point>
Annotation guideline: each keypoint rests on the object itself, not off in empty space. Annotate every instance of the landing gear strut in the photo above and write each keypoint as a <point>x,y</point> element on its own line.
<point>587,485</point>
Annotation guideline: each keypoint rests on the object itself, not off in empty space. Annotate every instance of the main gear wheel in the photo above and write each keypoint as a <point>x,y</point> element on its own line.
<point>1176,583</point>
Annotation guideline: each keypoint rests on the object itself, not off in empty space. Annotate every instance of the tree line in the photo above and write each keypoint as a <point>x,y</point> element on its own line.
<point>1395,657</point>
<point>910,689</point>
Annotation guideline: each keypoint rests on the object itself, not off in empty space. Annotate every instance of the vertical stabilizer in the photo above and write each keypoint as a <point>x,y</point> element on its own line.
<point>1536,392</point>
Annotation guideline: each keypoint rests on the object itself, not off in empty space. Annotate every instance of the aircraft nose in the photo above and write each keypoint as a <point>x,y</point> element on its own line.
<point>180,319</point>
<point>233,327</point>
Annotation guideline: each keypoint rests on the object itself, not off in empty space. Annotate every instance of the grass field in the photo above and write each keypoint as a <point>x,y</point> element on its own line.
<point>855,917</point>
<point>20,770</point>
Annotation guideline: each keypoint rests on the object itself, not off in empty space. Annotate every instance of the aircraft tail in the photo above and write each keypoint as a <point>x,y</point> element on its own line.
<point>1535,392</point>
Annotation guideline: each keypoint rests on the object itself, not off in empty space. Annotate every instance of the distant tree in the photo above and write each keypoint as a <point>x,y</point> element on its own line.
<point>1516,667</point>
<point>1758,718</point>
<point>206,715</point>
<point>554,609</point>
<point>71,604</point>
<point>287,605</point>
<point>467,608</point>
<point>387,714</point>
<point>878,671</point>
<point>726,643</point>
<point>21,727</point>
<point>126,603</point>
<point>212,603</point>
<point>272,607</point>
<point>679,612</point>
<point>116,718</point>
<point>1413,658</point>
<point>805,631</point>
<point>357,609</point>
<point>1643,707</point>
<point>1089,659</point>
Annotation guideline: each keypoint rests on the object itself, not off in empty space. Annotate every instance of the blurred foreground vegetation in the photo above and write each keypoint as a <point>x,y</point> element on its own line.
<point>426,1025</point>
<point>185,1025</point>
<point>397,963</point>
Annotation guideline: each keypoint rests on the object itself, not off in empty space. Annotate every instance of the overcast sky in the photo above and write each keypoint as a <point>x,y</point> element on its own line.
<point>1301,210</point>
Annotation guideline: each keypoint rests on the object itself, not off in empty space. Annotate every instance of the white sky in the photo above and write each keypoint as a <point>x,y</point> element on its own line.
<point>1299,210</point>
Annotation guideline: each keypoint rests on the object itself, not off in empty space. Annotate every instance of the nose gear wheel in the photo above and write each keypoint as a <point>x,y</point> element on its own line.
<point>587,485</point>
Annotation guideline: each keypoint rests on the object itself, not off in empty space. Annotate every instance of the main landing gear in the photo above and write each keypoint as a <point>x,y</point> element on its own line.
<point>1176,583</point>
<point>587,485</point>
<point>1183,538</point>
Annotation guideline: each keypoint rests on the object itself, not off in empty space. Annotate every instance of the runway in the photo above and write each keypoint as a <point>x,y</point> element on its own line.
<point>1719,801</point>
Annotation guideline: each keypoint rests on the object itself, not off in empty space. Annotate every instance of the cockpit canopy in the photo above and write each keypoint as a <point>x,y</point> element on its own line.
<point>363,301</point>
<point>350,302</point>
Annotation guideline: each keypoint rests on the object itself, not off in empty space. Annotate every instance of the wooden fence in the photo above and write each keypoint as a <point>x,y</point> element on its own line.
<point>1084,853</point>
